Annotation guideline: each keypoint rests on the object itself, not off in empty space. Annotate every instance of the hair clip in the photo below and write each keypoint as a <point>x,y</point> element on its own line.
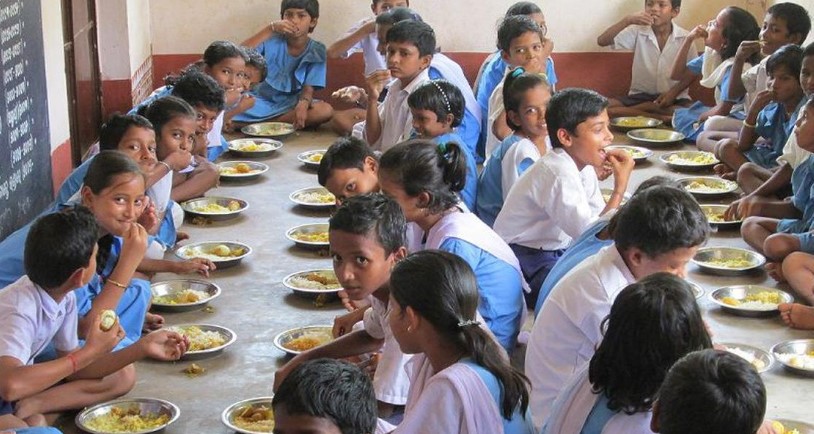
<point>468,323</point>
<point>517,71</point>
<point>443,94</point>
<point>442,148</point>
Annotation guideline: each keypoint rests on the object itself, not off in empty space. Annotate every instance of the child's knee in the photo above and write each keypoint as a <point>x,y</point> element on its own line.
<point>748,171</point>
<point>750,226</point>
<point>122,381</point>
<point>796,262</point>
<point>778,246</point>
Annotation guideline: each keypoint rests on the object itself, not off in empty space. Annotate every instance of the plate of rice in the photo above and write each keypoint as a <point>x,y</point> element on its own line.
<point>301,339</point>
<point>214,207</point>
<point>311,158</point>
<point>750,300</point>
<point>241,170</point>
<point>254,148</point>
<point>760,359</point>
<point>708,186</point>
<point>224,254</point>
<point>715,216</point>
<point>250,416</point>
<point>313,282</point>
<point>689,160</point>
<point>204,339</point>
<point>268,129</point>
<point>637,153</point>
<point>312,235</point>
<point>728,261</point>
<point>796,356</point>
<point>313,197</point>
<point>128,415</point>
<point>627,123</point>
<point>183,295</point>
<point>785,426</point>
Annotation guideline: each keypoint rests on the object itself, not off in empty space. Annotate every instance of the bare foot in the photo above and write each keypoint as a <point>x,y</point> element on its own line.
<point>797,316</point>
<point>152,322</point>
<point>720,169</point>
<point>36,420</point>
<point>775,271</point>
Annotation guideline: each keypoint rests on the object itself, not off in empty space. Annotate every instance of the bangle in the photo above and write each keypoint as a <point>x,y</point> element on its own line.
<point>748,125</point>
<point>115,283</point>
<point>164,163</point>
<point>72,359</point>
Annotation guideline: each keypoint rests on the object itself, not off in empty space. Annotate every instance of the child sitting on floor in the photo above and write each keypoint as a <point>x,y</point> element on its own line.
<point>771,116</point>
<point>614,393</point>
<point>655,41</point>
<point>60,256</point>
<point>255,73</point>
<point>710,391</point>
<point>722,36</point>
<point>325,396</point>
<point>367,239</point>
<point>460,380</point>
<point>525,97</point>
<point>777,238</point>
<point>349,168</point>
<point>558,197</point>
<point>296,65</point>
<point>659,229</point>
<point>437,108</point>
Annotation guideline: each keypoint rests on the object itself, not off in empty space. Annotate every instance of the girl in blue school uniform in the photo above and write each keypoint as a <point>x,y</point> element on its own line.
<point>296,68</point>
<point>525,97</point>
<point>114,192</point>
<point>437,107</point>
<point>424,179</point>
<point>494,67</point>
<point>722,37</point>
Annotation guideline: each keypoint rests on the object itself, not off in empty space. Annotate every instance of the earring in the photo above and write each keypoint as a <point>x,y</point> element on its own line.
<point>409,329</point>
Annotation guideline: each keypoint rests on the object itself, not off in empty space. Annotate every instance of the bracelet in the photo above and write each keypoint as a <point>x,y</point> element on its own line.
<point>748,125</point>
<point>115,283</point>
<point>164,163</point>
<point>72,359</point>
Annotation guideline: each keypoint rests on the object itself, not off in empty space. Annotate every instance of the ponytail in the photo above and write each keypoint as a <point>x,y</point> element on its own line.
<point>441,288</point>
<point>454,165</point>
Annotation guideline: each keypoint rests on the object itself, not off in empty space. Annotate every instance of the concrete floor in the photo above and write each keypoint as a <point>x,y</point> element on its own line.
<point>257,306</point>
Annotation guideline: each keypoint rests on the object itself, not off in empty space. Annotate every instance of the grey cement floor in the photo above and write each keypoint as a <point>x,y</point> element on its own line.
<point>257,306</point>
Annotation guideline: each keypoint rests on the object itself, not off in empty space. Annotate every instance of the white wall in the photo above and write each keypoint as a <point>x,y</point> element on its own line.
<point>139,34</point>
<point>113,40</point>
<point>55,72</point>
<point>461,25</point>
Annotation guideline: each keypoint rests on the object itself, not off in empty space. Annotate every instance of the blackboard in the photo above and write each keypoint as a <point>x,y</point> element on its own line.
<point>25,148</point>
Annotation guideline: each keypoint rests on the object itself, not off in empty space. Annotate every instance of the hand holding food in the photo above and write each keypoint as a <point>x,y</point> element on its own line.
<point>165,345</point>
<point>375,83</point>
<point>642,18</point>
<point>700,31</point>
<point>350,94</point>
<point>746,49</point>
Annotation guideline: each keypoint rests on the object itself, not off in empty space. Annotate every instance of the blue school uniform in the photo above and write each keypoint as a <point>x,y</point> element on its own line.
<point>520,423</point>
<point>469,193</point>
<point>161,92</point>
<point>774,125</point>
<point>469,130</point>
<point>802,185</point>
<point>580,249</point>
<point>685,120</point>
<point>496,279</point>
<point>280,92</point>
<point>490,184</point>
<point>490,77</point>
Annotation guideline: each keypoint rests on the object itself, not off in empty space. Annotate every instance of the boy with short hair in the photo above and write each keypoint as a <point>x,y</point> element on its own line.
<point>367,239</point>
<point>325,396</point>
<point>659,230</point>
<point>349,168</point>
<point>558,197</point>
<point>710,391</point>
<point>655,41</point>
<point>40,308</point>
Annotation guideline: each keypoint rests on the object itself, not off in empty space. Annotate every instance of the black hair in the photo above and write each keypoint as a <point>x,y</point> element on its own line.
<point>256,60</point>
<point>198,88</point>
<point>442,289</point>
<point>796,17</point>
<point>330,389</point>
<point>440,97</point>
<point>656,181</point>
<point>652,323</point>
<point>344,153</point>
<point>116,127</point>
<point>417,33</point>
<point>514,26</point>
<point>523,8</point>
<point>740,26</point>
<point>808,50</point>
<point>515,85</point>
<point>396,15</point>
<point>569,108</point>
<point>217,51</point>
<point>165,109</point>
<point>372,213</point>
<point>103,169</point>
<point>58,244</point>
<point>310,6</point>
<point>790,55</point>
<point>711,391</point>
<point>660,219</point>
<point>422,166</point>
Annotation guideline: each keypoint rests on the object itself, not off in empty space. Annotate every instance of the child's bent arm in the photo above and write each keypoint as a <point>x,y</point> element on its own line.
<point>201,180</point>
<point>680,68</point>
<point>500,128</point>
<point>255,40</point>
<point>340,47</point>
<point>722,109</point>
<point>668,98</point>
<point>18,381</point>
<point>745,50</point>
<point>606,38</point>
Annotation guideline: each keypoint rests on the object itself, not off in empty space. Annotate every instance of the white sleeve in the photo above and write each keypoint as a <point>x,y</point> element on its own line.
<point>438,410</point>
<point>626,39</point>
<point>17,336</point>
<point>568,204</point>
<point>66,339</point>
<point>793,154</point>
<point>358,45</point>
<point>374,321</point>
<point>749,79</point>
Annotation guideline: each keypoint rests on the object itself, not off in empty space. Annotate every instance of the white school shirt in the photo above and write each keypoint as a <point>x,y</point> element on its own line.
<point>390,381</point>
<point>793,153</point>
<point>522,150</point>
<point>30,319</point>
<point>552,203</point>
<point>369,46</point>
<point>394,113</point>
<point>495,109</point>
<point>567,329</point>
<point>213,137</point>
<point>754,79</point>
<point>160,192</point>
<point>651,66</point>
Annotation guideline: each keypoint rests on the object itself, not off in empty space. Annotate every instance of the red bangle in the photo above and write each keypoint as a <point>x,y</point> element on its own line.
<point>72,358</point>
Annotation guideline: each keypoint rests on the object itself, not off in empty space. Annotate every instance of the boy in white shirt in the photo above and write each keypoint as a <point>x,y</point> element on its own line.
<point>558,197</point>
<point>659,230</point>
<point>655,40</point>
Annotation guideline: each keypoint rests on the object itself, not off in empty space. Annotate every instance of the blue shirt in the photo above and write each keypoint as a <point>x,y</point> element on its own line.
<point>469,193</point>
<point>519,423</point>
<point>580,249</point>
<point>802,186</point>
<point>774,125</point>
<point>500,288</point>
<point>490,184</point>
<point>469,130</point>
<point>287,75</point>
<point>695,66</point>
